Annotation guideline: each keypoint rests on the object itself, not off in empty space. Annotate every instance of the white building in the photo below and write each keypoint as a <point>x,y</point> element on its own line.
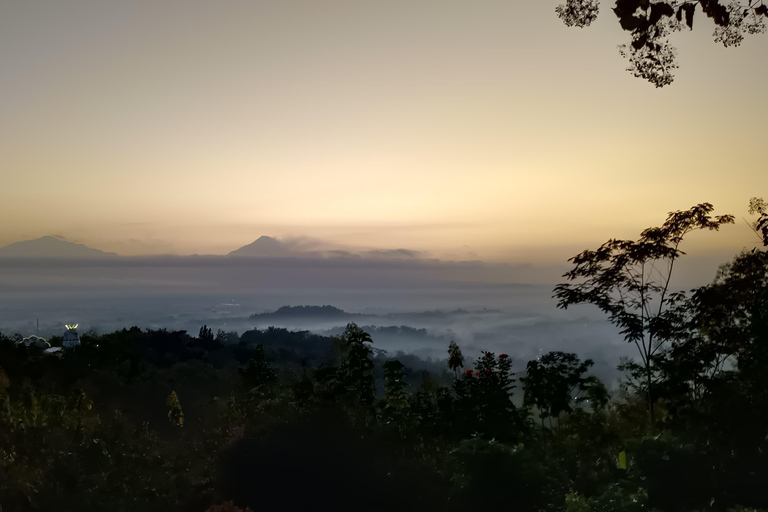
<point>71,337</point>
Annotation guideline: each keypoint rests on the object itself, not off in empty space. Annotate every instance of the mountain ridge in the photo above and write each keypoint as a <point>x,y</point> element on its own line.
<point>51,247</point>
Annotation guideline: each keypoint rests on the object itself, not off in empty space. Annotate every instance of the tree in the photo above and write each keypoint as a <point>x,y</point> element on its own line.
<point>726,333</point>
<point>651,22</point>
<point>227,337</point>
<point>551,381</point>
<point>206,337</point>
<point>258,374</point>
<point>175,414</point>
<point>630,282</point>
<point>484,398</point>
<point>356,369</point>
<point>395,398</point>
<point>455,358</point>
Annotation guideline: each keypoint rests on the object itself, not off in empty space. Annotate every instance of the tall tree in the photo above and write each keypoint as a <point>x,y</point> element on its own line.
<point>651,22</point>
<point>357,367</point>
<point>484,398</point>
<point>630,281</point>
<point>205,335</point>
<point>455,358</point>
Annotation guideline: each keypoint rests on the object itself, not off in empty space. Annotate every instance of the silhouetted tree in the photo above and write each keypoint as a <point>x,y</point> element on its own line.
<point>630,282</point>
<point>484,399</point>
<point>356,371</point>
<point>258,374</point>
<point>455,358</point>
<point>551,381</point>
<point>227,337</point>
<point>206,337</point>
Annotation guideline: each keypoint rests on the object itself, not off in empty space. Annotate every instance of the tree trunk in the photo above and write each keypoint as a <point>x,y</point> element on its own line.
<point>650,396</point>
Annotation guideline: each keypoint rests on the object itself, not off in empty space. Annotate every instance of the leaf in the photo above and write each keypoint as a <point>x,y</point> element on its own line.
<point>660,10</point>
<point>689,10</point>
<point>625,10</point>
<point>763,9</point>
<point>640,41</point>
<point>715,10</point>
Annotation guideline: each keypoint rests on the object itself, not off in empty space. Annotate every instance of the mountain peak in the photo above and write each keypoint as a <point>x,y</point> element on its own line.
<point>263,246</point>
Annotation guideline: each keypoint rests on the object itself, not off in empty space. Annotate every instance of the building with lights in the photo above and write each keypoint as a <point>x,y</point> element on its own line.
<point>71,337</point>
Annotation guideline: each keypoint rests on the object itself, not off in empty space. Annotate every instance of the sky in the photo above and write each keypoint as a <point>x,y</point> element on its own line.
<point>468,130</point>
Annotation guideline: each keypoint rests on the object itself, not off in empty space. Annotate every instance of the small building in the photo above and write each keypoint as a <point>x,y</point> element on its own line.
<point>71,337</point>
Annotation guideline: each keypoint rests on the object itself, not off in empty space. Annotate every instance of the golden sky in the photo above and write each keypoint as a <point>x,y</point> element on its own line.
<point>468,129</point>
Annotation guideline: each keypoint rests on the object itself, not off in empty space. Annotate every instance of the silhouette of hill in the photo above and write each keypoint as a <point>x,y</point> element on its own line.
<point>305,312</point>
<point>51,247</point>
<point>265,246</point>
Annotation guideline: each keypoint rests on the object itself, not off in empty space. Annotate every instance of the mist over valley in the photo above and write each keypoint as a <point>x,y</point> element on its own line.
<point>413,306</point>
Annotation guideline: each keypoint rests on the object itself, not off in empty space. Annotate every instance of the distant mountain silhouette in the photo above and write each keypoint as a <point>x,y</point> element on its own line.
<point>304,247</point>
<point>265,246</point>
<point>51,247</point>
<point>305,312</point>
<point>334,313</point>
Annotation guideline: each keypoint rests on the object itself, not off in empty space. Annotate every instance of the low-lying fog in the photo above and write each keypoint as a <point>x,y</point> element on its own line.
<point>405,307</point>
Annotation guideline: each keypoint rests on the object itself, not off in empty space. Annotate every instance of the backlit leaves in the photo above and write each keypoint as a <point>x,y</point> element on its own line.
<point>653,62</point>
<point>578,13</point>
<point>650,54</point>
<point>757,206</point>
<point>741,21</point>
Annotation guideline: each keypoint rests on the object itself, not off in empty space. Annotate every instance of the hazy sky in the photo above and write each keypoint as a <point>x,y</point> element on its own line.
<point>464,128</point>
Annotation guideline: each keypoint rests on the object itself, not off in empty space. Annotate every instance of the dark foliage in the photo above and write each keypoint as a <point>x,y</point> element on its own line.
<point>556,381</point>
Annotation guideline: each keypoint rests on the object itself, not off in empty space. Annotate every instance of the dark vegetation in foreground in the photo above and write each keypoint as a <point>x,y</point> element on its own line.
<point>277,420</point>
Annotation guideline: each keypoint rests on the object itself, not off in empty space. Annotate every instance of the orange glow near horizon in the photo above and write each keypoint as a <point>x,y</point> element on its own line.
<point>470,130</point>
